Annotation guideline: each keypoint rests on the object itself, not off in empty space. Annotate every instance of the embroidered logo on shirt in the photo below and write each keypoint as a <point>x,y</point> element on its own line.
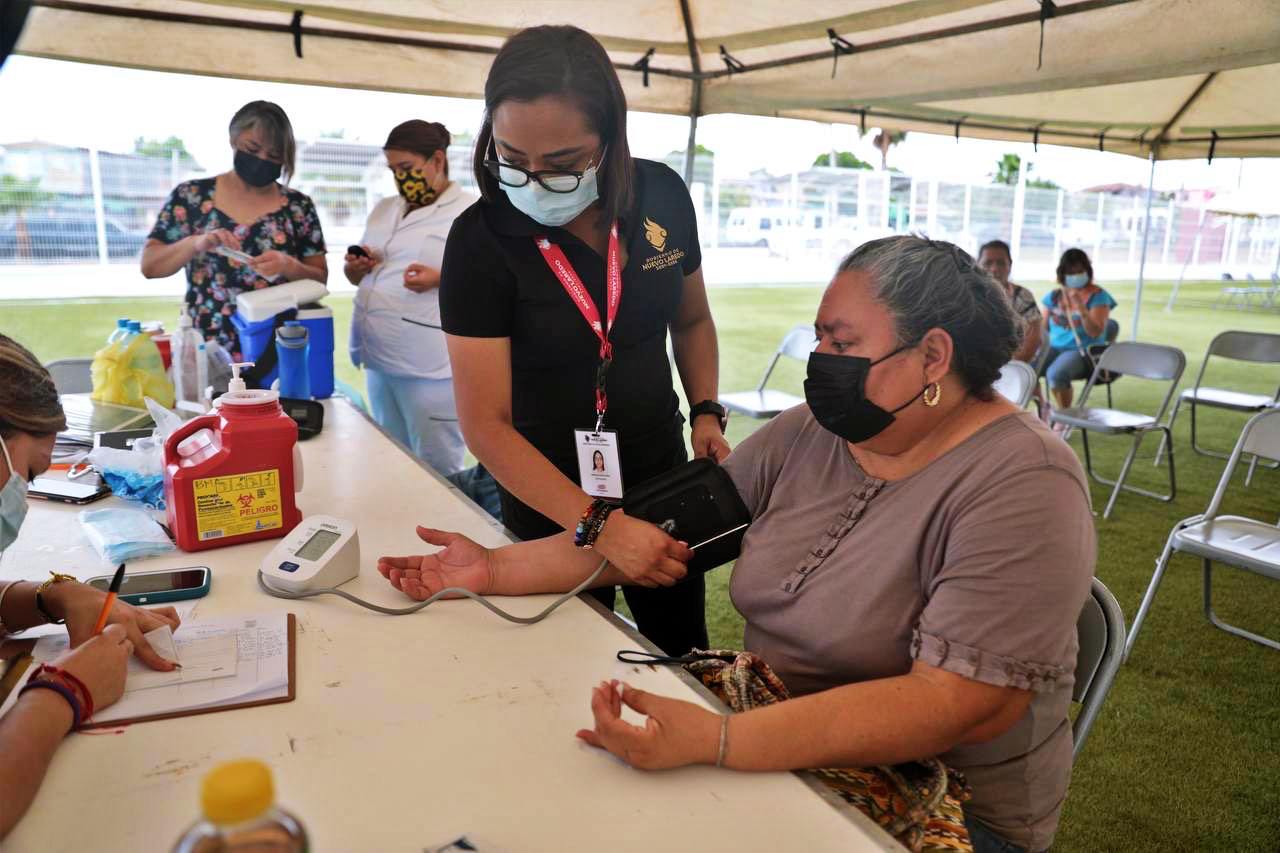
<point>655,234</point>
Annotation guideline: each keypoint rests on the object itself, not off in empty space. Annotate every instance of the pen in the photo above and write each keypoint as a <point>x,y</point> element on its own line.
<point>111,599</point>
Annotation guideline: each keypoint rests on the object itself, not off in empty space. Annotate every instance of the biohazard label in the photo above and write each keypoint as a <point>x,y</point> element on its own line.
<point>238,504</point>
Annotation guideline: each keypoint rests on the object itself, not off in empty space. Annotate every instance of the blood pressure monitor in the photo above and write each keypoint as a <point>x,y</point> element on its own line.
<point>320,553</point>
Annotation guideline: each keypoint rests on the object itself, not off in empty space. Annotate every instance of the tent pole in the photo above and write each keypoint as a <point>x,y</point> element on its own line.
<point>1142,259</point>
<point>695,96</point>
<point>1191,253</point>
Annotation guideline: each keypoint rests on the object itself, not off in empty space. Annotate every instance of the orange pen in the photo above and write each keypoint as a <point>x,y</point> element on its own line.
<point>111,599</point>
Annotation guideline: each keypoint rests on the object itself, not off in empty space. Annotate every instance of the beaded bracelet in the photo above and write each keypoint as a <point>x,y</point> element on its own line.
<point>74,682</point>
<point>63,691</point>
<point>592,523</point>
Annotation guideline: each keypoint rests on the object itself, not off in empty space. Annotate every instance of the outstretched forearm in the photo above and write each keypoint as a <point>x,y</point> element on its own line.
<point>551,564</point>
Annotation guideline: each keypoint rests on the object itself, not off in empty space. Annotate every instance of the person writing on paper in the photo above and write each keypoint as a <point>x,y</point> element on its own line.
<point>245,210</point>
<point>93,672</point>
<point>395,331</point>
<point>918,557</point>
<point>557,293</point>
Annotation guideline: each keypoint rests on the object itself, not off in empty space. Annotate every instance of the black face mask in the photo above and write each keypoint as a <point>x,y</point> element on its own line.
<point>255,171</point>
<point>836,391</point>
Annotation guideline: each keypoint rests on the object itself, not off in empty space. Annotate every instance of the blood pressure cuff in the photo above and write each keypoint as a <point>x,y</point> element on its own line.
<point>701,501</point>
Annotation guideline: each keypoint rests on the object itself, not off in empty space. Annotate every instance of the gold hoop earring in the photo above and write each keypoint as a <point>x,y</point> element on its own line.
<point>933,399</point>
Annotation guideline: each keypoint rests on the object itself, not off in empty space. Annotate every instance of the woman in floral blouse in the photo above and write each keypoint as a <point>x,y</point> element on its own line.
<point>244,209</point>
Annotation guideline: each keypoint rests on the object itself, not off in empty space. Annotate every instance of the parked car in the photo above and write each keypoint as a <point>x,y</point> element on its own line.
<point>64,238</point>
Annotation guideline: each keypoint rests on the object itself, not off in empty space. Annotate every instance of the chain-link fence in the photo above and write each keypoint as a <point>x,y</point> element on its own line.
<point>64,205</point>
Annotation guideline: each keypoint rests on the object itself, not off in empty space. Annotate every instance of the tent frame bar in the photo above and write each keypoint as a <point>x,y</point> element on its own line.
<point>697,75</point>
<point>695,97</point>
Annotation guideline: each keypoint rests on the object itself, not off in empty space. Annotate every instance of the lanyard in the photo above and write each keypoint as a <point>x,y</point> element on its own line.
<point>555,258</point>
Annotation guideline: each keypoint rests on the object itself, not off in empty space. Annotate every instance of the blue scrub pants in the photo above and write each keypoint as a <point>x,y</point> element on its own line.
<point>421,415</point>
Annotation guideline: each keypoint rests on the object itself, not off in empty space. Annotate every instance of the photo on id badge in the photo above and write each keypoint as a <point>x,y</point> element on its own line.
<point>598,467</point>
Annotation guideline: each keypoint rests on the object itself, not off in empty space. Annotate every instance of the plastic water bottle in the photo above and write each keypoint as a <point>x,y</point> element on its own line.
<point>240,815</point>
<point>120,332</point>
<point>293,350</point>
<point>190,364</point>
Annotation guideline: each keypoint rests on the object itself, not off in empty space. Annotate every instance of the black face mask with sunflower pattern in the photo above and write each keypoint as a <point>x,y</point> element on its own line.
<point>413,187</point>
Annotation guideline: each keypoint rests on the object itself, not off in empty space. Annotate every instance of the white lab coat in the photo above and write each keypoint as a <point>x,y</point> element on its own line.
<point>395,330</point>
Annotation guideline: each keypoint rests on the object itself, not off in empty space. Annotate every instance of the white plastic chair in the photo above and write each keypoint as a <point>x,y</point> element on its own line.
<point>764,402</point>
<point>1016,383</point>
<point>1101,633</point>
<point>1127,358</point>
<point>71,375</point>
<point>1245,543</point>
<point>1256,347</point>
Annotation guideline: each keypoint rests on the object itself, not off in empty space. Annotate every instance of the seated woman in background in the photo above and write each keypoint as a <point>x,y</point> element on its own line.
<point>244,209</point>
<point>918,558</point>
<point>91,675</point>
<point>1078,315</point>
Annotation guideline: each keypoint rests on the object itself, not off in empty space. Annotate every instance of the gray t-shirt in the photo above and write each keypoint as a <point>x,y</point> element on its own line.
<point>979,564</point>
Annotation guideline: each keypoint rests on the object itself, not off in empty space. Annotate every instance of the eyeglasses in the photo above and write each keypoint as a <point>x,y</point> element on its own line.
<point>552,180</point>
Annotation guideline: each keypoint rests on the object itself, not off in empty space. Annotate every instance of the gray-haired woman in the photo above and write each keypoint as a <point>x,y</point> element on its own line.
<point>918,558</point>
<point>245,210</point>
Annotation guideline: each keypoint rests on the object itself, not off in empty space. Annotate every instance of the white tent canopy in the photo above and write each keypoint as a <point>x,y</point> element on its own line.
<point>1133,76</point>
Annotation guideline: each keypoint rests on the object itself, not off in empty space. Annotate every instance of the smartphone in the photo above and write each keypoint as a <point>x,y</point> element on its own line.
<point>358,251</point>
<point>65,491</point>
<point>159,587</point>
<point>235,255</point>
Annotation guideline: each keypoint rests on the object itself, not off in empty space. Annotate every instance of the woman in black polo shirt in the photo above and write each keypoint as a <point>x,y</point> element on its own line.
<point>524,276</point>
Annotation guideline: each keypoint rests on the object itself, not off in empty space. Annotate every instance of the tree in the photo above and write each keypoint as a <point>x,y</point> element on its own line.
<point>1007,169</point>
<point>885,140</point>
<point>17,196</point>
<point>161,148</point>
<point>844,160</point>
<point>340,133</point>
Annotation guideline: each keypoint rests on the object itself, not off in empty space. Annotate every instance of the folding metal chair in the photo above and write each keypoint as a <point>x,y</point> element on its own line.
<point>1245,543</point>
<point>71,375</point>
<point>1100,630</point>
<point>1128,358</point>
<point>1017,382</point>
<point>767,403</point>
<point>1256,347</point>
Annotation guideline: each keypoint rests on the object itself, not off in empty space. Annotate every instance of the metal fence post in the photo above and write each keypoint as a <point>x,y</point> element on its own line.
<point>715,204</point>
<point>1168,231</point>
<point>1097,236</point>
<point>933,208</point>
<point>1019,210</point>
<point>99,215</point>
<point>968,204</point>
<point>1057,228</point>
<point>888,190</point>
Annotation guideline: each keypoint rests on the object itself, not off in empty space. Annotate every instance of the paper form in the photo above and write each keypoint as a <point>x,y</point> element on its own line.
<point>201,658</point>
<point>261,669</point>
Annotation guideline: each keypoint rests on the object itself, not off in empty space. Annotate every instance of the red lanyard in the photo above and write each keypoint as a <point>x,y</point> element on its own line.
<point>573,285</point>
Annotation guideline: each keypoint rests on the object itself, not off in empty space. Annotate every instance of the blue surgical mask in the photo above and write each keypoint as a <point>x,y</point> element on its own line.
<point>547,208</point>
<point>13,502</point>
<point>1076,280</point>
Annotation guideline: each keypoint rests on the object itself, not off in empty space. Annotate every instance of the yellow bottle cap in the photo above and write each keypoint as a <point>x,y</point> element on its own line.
<point>237,791</point>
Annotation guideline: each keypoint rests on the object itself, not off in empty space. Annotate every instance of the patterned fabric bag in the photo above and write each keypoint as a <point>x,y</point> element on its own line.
<point>918,803</point>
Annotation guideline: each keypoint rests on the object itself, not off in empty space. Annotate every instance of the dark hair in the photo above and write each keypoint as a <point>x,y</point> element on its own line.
<point>420,137</point>
<point>1074,258</point>
<point>275,126</point>
<point>992,245</point>
<point>28,398</point>
<point>929,284</point>
<point>569,62</point>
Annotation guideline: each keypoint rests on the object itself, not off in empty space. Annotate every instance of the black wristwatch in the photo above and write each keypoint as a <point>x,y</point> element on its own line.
<point>709,407</point>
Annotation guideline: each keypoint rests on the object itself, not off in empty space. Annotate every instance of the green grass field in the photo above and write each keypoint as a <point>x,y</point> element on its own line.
<point>1185,755</point>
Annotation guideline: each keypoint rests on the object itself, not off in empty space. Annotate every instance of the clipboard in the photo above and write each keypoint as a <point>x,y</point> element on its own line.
<point>18,653</point>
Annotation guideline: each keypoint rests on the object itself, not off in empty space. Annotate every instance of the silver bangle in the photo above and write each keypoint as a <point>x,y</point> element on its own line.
<point>724,740</point>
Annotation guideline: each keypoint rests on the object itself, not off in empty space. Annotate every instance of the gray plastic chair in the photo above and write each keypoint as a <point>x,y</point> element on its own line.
<point>1235,540</point>
<point>1101,633</point>
<point>764,402</point>
<point>1256,347</point>
<point>1129,358</point>
<point>71,375</point>
<point>1017,382</point>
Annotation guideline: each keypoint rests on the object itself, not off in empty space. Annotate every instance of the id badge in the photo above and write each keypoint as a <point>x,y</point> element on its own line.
<point>599,467</point>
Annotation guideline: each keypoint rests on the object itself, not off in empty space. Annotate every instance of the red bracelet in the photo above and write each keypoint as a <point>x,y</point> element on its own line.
<point>75,682</point>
